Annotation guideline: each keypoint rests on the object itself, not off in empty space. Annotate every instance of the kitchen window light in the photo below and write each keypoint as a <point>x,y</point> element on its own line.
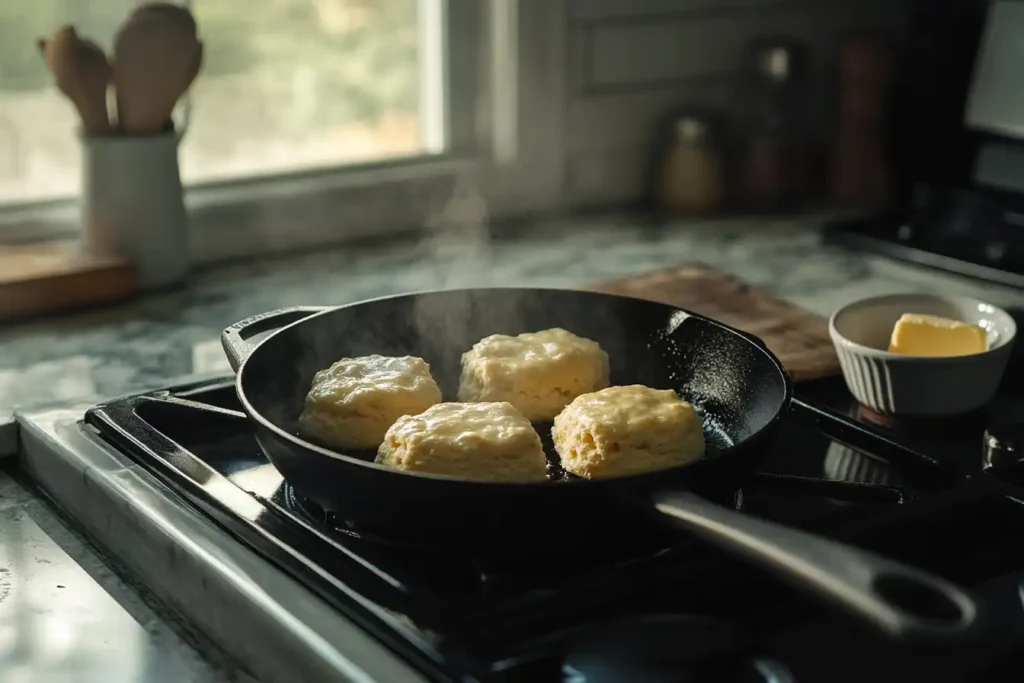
<point>314,121</point>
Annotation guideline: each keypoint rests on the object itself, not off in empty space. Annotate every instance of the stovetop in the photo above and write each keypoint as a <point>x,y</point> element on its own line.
<point>647,597</point>
<point>967,231</point>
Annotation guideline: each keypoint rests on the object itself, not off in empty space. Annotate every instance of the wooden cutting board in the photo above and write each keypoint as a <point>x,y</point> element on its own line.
<point>56,277</point>
<point>798,337</point>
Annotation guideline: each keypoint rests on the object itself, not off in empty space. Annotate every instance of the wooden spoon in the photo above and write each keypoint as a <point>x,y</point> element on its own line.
<point>156,58</point>
<point>95,77</point>
<point>82,73</point>
<point>58,51</point>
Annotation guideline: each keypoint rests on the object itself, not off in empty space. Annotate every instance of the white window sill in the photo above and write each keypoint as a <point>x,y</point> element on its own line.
<point>288,213</point>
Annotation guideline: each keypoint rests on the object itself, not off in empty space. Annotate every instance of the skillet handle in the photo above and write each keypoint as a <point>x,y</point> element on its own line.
<point>243,337</point>
<point>903,602</point>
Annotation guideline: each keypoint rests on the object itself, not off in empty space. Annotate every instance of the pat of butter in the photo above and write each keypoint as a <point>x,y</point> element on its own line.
<point>930,335</point>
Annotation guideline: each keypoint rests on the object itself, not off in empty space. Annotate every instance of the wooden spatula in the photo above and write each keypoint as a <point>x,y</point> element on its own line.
<point>82,73</point>
<point>156,58</point>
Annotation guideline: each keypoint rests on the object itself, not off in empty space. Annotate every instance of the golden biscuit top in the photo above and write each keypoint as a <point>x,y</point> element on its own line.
<point>349,376</point>
<point>532,347</point>
<point>464,424</point>
<point>636,401</point>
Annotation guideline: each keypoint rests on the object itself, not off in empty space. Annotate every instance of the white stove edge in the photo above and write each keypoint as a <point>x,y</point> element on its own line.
<point>60,625</point>
<point>277,628</point>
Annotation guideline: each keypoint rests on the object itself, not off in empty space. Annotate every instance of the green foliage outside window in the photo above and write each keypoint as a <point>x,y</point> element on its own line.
<point>360,54</point>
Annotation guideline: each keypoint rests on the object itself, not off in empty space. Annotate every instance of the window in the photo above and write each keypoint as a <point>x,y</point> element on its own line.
<point>311,89</point>
<point>287,85</point>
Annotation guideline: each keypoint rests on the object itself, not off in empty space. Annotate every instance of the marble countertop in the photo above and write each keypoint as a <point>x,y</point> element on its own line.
<point>146,343</point>
<point>159,646</point>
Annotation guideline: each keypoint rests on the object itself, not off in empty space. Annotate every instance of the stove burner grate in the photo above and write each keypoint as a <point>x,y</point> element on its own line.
<point>313,513</point>
<point>832,471</point>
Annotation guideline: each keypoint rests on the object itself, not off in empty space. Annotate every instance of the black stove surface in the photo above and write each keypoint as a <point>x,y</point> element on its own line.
<point>965,231</point>
<point>647,603</point>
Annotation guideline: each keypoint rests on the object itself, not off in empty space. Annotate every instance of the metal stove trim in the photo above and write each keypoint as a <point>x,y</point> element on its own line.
<point>250,608</point>
<point>8,437</point>
<point>59,624</point>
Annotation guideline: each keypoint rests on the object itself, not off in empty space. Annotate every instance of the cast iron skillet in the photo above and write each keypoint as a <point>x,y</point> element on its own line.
<point>739,384</point>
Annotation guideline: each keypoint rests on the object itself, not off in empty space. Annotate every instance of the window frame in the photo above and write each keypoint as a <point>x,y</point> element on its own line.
<point>516,165</point>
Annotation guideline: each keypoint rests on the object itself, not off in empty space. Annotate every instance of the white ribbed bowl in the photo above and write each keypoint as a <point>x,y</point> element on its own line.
<point>920,386</point>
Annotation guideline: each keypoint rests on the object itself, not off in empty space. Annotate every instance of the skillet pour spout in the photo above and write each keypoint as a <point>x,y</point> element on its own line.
<point>739,384</point>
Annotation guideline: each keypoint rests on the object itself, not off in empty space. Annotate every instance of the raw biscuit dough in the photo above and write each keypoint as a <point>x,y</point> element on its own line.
<point>352,403</point>
<point>482,441</point>
<point>537,372</point>
<point>627,430</point>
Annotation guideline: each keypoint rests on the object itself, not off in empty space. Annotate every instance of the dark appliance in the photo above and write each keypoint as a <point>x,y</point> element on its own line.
<point>956,133</point>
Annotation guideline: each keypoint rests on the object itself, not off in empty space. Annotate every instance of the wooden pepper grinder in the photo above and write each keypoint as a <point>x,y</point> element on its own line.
<point>862,173</point>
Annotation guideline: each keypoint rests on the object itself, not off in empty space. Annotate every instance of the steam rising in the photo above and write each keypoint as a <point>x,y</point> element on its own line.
<point>458,237</point>
<point>458,244</point>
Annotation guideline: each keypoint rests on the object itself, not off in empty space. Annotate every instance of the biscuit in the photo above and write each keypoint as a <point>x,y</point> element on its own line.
<point>538,372</point>
<point>627,430</point>
<point>352,403</point>
<point>481,441</point>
